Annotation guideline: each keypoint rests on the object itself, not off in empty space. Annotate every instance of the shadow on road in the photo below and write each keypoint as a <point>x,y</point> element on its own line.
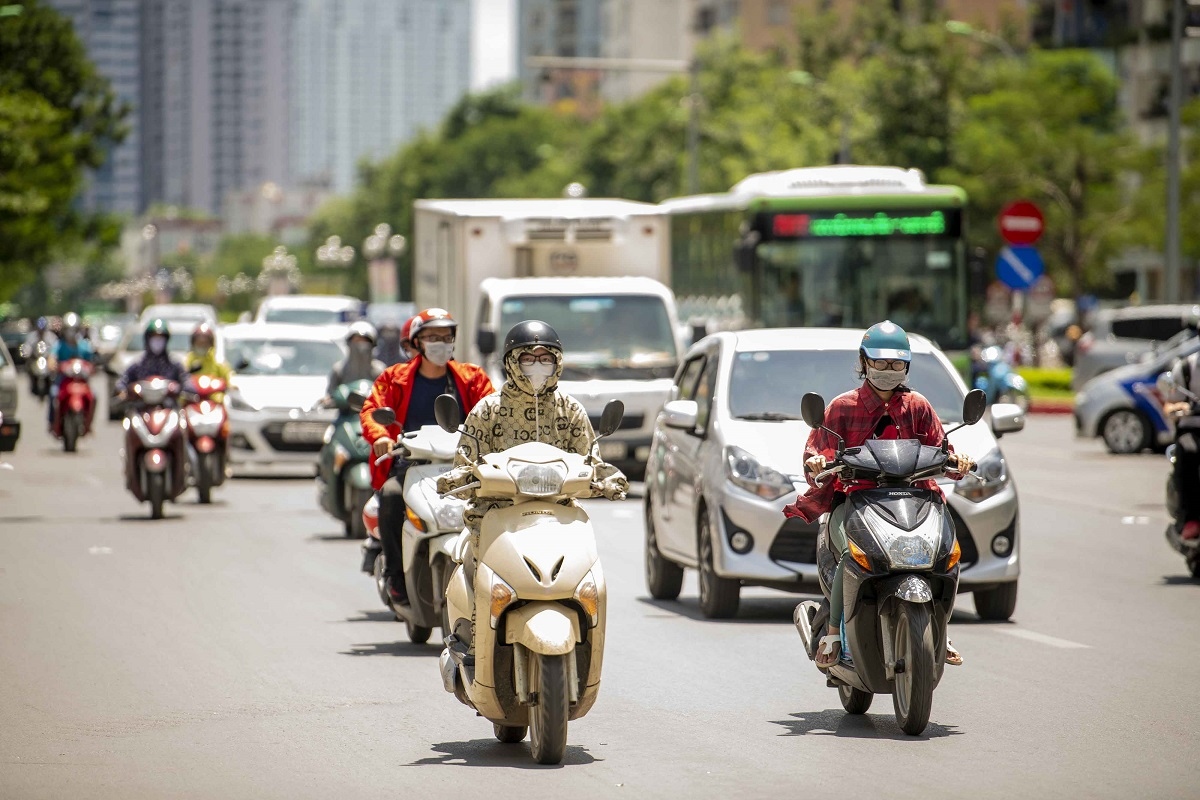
<point>147,518</point>
<point>963,617</point>
<point>491,753</point>
<point>835,722</point>
<point>1168,580</point>
<point>373,616</point>
<point>333,537</point>
<point>398,649</point>
<point>752,610</point>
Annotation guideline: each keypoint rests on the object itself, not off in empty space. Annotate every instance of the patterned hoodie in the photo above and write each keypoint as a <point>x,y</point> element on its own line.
<point>516,414</point>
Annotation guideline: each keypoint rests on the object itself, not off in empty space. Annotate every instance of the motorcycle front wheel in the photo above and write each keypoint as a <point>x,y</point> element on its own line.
<point>548,718</point>
<point>204,477</point>
<point>71,426</point>
<point>157,486</point>
<point>417,634</point>
<point>912,690</point>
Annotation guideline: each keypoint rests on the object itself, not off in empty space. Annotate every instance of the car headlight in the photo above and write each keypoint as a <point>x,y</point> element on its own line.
<point>745,472</point>
<point>994,471</point>
<point>539,480</point>
<point>448,514</point>
<point>239,402</point>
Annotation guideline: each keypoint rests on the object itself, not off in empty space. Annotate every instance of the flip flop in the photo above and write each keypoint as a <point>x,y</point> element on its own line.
<point>953,657</point>
<point>825,648</point>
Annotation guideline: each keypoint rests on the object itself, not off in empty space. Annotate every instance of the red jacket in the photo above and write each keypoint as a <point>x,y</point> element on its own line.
<point>393,389</point>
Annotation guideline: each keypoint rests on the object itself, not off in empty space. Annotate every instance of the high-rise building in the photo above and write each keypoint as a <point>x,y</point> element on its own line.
<point>215,78</point>
<point>571,28</point>
<point>635,30</point>
<point>368,75</point>
<point>110,31</point>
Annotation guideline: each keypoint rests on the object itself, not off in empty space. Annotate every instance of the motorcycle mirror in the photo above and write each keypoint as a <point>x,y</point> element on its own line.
<point>610,419</point>
<point>384,416</point>
<point>974,404</point>
<point>447,413</point>
<point>1166,383</point>
<point>812,408</point>
<point>355,401</point>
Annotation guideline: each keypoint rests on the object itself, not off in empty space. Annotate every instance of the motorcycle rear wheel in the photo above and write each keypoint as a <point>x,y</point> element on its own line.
<point>509,734</point>
<point>912,690</point>
<point>548,719</point>
<point>855,701</point>
<point>356,528</point>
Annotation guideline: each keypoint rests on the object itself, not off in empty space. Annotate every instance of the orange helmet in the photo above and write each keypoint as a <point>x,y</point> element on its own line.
<point>406,329</point>
<point>430,318</point>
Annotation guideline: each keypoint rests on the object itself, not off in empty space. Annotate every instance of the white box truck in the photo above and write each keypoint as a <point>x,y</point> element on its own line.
<point>590,268</point>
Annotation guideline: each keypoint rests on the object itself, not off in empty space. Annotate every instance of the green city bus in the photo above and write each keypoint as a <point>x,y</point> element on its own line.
<point>840,246</point>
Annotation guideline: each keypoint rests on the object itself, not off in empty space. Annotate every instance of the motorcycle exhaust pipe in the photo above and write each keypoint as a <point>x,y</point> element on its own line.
<point>803,617</point>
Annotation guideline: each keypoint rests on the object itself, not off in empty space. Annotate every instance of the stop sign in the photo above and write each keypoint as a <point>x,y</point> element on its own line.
<point>1021,223</point>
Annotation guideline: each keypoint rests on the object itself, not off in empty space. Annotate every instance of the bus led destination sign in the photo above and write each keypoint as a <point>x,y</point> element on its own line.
<point>879,223</point>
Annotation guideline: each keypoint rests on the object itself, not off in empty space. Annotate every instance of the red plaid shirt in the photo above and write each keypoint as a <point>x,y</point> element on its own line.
<point>855,415</point>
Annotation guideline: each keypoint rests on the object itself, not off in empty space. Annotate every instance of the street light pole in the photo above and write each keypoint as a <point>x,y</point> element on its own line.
<point>1175,102</point>
<point>693,129</point>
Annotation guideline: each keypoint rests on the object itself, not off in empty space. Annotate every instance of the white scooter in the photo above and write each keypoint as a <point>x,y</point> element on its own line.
<point>539,590</point>
<point>431,525</point>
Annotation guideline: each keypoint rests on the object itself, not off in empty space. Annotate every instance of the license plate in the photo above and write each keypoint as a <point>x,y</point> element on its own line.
<point>613,451</point>
<point>303,432</point>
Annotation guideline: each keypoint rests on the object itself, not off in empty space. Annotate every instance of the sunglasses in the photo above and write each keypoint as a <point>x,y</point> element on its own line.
<point>529,359</point>
<point>894,364</point>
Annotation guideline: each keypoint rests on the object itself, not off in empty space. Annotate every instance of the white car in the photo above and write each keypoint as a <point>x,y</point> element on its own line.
<point>195,313</point>
<point>310,309</point>
<point>728,455</point>
<point>281,374</point>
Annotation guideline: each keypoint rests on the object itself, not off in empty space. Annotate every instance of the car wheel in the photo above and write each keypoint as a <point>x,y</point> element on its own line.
<point>997,604</point>
<point>718,596</point>
<point>664,579</point>
<point>1125,431</point>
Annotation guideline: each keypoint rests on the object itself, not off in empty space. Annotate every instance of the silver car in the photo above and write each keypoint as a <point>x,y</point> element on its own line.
<point>10,428</point>
<point>1120,336</point>
<point>728,455</point>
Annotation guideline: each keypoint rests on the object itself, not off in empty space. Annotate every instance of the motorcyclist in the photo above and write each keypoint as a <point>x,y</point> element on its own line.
<point>41,333</point>
<point>406,339</point>
<point>360,364</point>
<point>1187,464</point>
<point>71,345</point>
<point>882,408</point>
<point>529,407</point>
<point>390,350</point>
<point>202,358</point>
<point>156,362</point>
<point>410,389</point>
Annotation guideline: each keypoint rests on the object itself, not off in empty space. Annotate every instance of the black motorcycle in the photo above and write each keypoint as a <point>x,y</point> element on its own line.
<point>1183,454</point>
<point>900,584</point>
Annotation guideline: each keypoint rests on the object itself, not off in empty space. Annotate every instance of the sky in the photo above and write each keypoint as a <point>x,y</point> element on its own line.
<point>493,42</point>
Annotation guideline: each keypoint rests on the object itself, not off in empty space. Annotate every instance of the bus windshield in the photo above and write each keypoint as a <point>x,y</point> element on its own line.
<point>918,282</point>
<point>613,336</point>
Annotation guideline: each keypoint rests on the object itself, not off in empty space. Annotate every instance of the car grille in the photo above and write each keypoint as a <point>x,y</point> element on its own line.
<point>966,542</point>
<point>628,423</point>
<point>796,542</point>
<point>273,433</point>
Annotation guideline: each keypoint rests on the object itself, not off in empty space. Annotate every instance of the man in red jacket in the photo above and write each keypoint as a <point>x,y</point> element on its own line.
<point>409,389</point>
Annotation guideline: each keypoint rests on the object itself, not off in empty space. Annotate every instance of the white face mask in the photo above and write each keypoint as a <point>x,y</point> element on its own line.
<point>439,352</point>
<point>885,380</point>
<point>158,345</point>
<point>538,374</point>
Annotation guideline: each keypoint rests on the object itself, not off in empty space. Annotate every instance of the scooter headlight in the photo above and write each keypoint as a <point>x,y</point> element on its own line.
<point>911,552</point>
<point>448,514</point>
<point>539,480</point>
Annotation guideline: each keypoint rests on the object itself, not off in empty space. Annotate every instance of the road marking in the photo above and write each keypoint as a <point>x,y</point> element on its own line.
<point>1041,638</point>
<point>1135,520</point>
<point>100,551</point>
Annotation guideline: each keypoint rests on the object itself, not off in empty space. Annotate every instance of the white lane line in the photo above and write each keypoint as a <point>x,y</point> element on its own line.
<point>1041,638</point>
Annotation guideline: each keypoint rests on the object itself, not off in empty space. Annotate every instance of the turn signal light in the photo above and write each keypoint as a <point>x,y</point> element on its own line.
<point>859,556</point>
<point>955,555</point>
<point>414,519</point>
<point>588,597</point>
<point>502,596</point>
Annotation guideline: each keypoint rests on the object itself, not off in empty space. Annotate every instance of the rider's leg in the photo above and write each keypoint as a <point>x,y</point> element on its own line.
<point>837,541</point>
<point>391,523</point>
<point>1187,481</point>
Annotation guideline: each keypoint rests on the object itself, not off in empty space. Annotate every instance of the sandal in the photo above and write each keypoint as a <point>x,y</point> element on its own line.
<point>953,657</point>
<point>825,649</point>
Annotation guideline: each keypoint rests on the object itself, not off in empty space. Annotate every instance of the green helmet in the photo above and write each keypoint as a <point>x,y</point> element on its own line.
<point>156,327</point>
<point>886,340</point>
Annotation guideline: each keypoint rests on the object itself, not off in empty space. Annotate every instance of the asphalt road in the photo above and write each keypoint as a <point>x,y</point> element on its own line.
<point>236,651</point>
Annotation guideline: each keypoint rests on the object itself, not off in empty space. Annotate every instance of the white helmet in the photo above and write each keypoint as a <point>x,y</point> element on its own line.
<point>364,329</point>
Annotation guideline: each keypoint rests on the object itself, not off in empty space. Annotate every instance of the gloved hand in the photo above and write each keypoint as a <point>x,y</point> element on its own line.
<point>959,463</point>
<point>382,447</point>
<point>1176,409</point>
<point>815,464</point>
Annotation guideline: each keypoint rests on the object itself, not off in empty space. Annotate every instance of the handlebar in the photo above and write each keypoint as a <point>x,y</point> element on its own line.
<point>472,486</point>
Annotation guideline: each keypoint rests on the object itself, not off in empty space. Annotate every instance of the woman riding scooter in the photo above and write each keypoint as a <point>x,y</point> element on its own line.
<point>882,408</point>
<point>202,358</point>
<point>1186,371</point>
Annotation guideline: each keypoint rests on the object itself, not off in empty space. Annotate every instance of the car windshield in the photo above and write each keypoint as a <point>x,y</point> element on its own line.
<point>178,343</point>
<point>771,382</point>
<point>309,316</point>
<point>282,356</point>
<point>603,336</point>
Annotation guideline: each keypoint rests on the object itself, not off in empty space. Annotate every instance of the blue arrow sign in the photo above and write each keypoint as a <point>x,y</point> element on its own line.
<point>1019,266</point>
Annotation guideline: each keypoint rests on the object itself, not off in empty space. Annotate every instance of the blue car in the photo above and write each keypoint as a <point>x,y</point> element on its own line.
<point>1124,407</point>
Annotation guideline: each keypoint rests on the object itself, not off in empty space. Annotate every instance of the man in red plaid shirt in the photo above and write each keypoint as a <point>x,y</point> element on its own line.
<point>882,408</point>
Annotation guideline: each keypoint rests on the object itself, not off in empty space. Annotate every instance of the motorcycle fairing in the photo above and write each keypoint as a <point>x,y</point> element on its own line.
<point>893,458</point>
<point>904,508</point>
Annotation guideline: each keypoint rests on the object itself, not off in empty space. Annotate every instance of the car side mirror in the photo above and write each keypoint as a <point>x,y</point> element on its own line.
<point>383,416</point>
<point>681,414</point>
<point>610,418</point>
<point>355,401</point>
<point>1007,418</point>
<point>485,341</point>
<point>447,413</point>
<point>1166,383</point>
<point>812,408</point>
<point>974,406</point>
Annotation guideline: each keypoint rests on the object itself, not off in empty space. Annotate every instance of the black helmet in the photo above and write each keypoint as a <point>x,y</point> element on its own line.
<point>531,332</point>
<point>156,327</point>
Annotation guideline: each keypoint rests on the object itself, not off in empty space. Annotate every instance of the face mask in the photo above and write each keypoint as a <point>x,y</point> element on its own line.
<point>439,352</point>
<point>158,345</point>
<point>361,348</point>
<point>885,380</point>
<point>200,352</point>
<point>538,374</point>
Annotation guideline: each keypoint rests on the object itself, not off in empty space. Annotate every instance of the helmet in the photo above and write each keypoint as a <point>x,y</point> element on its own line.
<point>156,327</point>
<point>42,323</point>
<point>406,330</point>
<point>364,329</point>
<point>430,318</point>
<point>204,329</point>
<point>531,332</point>
<point>886,340</point>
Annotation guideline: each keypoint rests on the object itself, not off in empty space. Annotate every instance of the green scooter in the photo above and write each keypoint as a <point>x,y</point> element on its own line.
<point>343,471</point>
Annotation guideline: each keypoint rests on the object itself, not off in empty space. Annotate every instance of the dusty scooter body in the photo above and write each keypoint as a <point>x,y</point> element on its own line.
<point>1187,440</point>
<point>900,584</point>
<point>431,525</point>
<point>539,590</point>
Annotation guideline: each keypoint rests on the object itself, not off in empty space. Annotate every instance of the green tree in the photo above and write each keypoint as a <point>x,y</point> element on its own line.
<point>58,116</point>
